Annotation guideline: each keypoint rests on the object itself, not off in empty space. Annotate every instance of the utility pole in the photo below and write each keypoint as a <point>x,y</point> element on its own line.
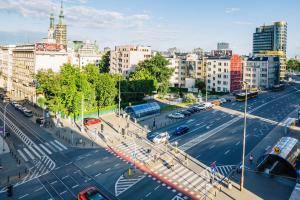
<point>244,137</point>
<point>4,113</point>
<point>82,110</point>
<point>205,76</point>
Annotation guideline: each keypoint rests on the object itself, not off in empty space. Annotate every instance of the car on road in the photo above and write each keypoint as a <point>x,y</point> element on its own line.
<point>223,100</point>
<point>27,113</point>
<point>176,115</point>
<point>40,120</point>
<point>161,138</point>
<point>13,103</point>
<point>91,193</point>
<point>91,121</point>
<point>18,107</point>
<point>181,130</point>
<point>196,108</point>
<point>185,112</point>
<point>216,102</point>
<point>208,105</point>
<point>191,110</point>
<point>201,106</point>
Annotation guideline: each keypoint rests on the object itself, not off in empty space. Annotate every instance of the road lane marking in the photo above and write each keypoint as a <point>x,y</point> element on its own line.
<point>98,174</point>
<point>237,143</point>
<point>22,155</point>
<point>63,192</point>
<point>38,189</point>
<point>189,121</point>
<point>157,187</point>
<point>88,166</point>
<point>64,177</point>
<point>212,146</point>
<point>25,195</point>
<point>47,150</point>
<point>116,165</point>
<point>60,144</point>
<point>75,186</point>
<point>53,182</point>
<point>227,152</point>
<point>28,153</point>
<point>53,149</point>
<point>147,195</point>
<point>108,169</point>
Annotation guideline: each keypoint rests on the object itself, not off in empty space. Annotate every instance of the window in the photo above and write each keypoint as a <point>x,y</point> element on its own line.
<point>208,81</point>
<point>218,89</point>
<point>219,64</point>
<point>219,76</point>
<point>219,69</point>
<point>224,82</point>
<point>219,82</point>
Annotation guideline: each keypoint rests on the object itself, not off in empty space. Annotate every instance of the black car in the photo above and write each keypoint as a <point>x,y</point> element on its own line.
<point>181,130</point>
<point>196,109</point>
<point>191,110</point>
<point>40,120</point>
<point>185,112</point>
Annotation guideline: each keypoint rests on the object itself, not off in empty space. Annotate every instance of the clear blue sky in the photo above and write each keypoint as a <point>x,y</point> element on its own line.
<point>157,23</point>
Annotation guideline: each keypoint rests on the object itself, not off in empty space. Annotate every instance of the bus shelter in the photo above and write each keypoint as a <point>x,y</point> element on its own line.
<point>143,110</point>
<point>282,159</point>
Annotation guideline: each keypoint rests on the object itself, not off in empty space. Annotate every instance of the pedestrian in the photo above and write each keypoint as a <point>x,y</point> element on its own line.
<point>251,158</point>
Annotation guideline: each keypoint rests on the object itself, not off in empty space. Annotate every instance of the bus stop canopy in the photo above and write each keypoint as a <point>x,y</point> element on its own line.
<point>143,110</point>
<point>282,159</point>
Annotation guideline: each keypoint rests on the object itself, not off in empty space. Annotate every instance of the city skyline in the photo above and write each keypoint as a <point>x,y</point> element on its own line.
<point>160,25</point>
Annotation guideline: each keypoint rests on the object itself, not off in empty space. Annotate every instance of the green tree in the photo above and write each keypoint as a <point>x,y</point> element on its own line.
<point>293,65</point>
<point>157,66</point>
<point>200,84</point>
<point>144,80</point>
<point>190,98</point>
<point>104,63</point>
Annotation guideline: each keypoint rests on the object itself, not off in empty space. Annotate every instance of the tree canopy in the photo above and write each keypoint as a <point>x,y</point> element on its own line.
<point>104,63</point>
<point>293,65</point>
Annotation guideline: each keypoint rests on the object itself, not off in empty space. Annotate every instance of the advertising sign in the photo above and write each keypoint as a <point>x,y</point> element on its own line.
<point>49,47</point>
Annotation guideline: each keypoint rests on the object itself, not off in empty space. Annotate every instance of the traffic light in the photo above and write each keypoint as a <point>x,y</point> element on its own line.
<point>9,190</point>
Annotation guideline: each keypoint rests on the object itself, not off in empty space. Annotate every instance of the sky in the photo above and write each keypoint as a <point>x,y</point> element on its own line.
<point>161,24</point>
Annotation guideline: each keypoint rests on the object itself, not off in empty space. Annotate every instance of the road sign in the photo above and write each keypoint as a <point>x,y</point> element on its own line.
<point>277,150</point>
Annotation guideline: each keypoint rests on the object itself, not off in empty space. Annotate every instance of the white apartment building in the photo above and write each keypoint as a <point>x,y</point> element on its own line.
<point>6,64</point>
<point>218,74</point>
<point>262,71</point>
<point>124,59</point>
<point>28,60</point>
<point>86,53</point>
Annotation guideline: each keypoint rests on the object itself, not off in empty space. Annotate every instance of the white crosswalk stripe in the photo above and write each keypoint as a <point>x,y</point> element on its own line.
<point>60,144</point>
<point>47,150</point>
<point>56,146</point>
<point>34,151</point>
<point>141,153</point>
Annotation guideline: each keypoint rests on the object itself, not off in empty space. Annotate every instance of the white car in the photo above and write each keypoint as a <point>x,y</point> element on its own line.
<point>201,106</point>
<point>223,100</point>
<point>208,105</point>
<point>161,138</point>
<point>176,116</point>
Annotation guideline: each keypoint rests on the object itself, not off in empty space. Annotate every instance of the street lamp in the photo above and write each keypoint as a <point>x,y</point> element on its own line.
<point>119,97</point>
<point>4,126</point>
<point>244,136</point>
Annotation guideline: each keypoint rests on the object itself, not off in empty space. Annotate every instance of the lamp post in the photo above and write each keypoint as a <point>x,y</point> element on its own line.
<point>4,112</point>
<point>119,98</point>
<point>244,136</point>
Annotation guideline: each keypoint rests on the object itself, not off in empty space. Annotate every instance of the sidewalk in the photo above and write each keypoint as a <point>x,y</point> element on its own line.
<point>3,149</point>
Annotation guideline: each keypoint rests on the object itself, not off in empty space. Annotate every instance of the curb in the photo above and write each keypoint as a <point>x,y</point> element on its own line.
<point>164,179</point>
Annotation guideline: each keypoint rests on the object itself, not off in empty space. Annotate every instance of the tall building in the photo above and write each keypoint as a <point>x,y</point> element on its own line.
<point>270,38</point>
<point>6,66</point>
<point>222,45</point>
<point>124,59</point>
<point>60,33</point>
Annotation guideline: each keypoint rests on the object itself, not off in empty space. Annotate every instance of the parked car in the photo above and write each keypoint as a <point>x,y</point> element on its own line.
<point>91,193</point>
<point>196,108</point>
<point>181,130</point>
<point>185,112</point>
<point>176,116</point>
<point>208,105</point>
<point>91,121</point>
<point>161,138</point>
<point>201,106</point>
<point>13,103</point>
<point>191,110</point>
<point>228,99</point>
<point>18,107</point>
<point>222,100</point>
<point>40,120</point>
<point>27,113</point>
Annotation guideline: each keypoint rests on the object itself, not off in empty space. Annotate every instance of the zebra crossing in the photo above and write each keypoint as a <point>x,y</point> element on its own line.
<point>136,151</point>
<point>35,152</point>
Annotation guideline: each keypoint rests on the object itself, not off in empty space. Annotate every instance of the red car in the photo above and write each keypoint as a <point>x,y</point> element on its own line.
<point>91,121</point>
<point>91,193</point>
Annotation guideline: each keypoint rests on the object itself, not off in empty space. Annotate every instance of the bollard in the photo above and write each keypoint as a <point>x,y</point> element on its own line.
<point>19,175</point>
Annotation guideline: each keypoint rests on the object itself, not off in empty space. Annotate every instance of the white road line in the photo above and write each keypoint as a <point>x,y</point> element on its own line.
<point>28,153</point>
<point>25,195</point>
<point>53,182</point>
<point>60,144</point>
<point>226,152</point>
<point>63,192</point>
<point>116,165</point>
<point>75,186</point>
<point>88,166</point>
<point>148,194</point>
<point>52,148</point>
<point>237,143</point>
<point>38,189</point>
<point>212,146</point>
<point>157,187</point>
<point>22,155</point>
<point>64,177</point>
<point>39,150</point>
<point>108,169</point>
<point>56,146</point>
<point>32,149</point>
<point>98,174</point>
<point>47,150</point>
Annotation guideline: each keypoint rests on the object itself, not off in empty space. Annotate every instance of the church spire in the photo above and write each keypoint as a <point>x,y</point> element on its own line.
<point>61,14</point>
<point>51,21</point>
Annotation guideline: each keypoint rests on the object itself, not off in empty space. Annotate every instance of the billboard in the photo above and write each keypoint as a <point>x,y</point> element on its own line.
<point>49,47</point>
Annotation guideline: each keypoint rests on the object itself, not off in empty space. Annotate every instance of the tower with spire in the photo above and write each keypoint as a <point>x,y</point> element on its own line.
<point>51,27</point>
<point>60,33</point>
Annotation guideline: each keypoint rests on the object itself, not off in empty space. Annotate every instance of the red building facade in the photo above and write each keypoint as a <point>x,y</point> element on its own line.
<point>236,67</point>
